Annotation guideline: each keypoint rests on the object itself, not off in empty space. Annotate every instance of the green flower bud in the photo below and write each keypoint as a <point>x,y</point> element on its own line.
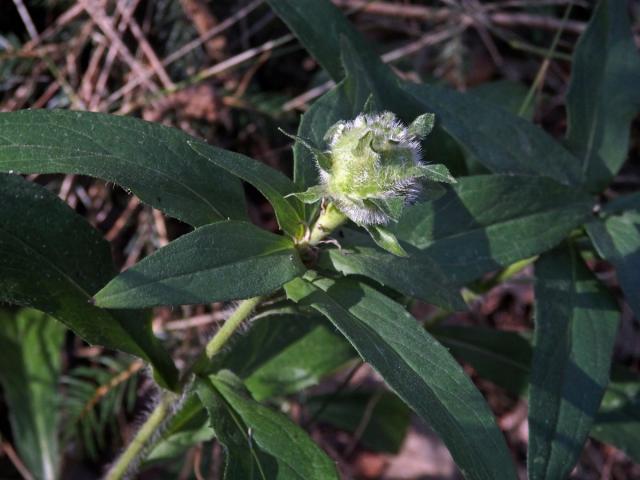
<point>372,169</point>
<point>374,159</point>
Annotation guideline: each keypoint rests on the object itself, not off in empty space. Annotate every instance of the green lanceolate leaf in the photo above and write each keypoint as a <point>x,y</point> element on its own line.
<point>499,356</point>
<point>260,443</point>
<point>416,275</point>
<point>30,354</point>
<point>630,201</point>
<point>310,195</point>
<point>500,140</point>
<point>506,94</point>
<point>618,420</point>
<point>319,26</point>
<point>222,261</point>
<point>392,207</point>
<point>242,459</point>
<point>52,260</point>
<point>284,352</point>
<point>417,368</point>
<point>333,106</point>
<point>617,239</point>
<point>386,240</point>
<point>272,184</point>
<point>576,323</point>
<point>152,161</point>
<point>422,125</point>
<point>486,222</point>
<point>505,359</point>
<point>603,96</point>
<point>435,173</point>
<point>380,418</point>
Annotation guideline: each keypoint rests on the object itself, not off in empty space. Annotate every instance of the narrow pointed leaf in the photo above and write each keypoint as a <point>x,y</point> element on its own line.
<point>505,359</point>
<point>30,354</point>
<point>284,352</point>
<point>271,183</point>
<point>500,140</point>
<point>385,417</point>
<point>575,327</point>
<point>221,261</point>
<point>603,96</point>
<point>242,460</point>
<point>53,260</point>
<point>436,173</point>
<point>319,25</point>
<point>150,160</point>
<point>423,125</point>
<point>415,276</point>
<point>618,420</point>
<point>417,368</point>
<point>486,222</point>
<point>617,239</point>
<point>279,448</point>
<point>393,206</point>
<point>386,240</point>
<point>310,195</point>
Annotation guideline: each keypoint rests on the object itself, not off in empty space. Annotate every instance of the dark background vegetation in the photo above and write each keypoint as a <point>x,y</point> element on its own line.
<point>230,72</point>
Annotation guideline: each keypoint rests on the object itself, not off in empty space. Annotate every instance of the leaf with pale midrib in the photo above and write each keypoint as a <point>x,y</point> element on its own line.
<point>603,95</point>
<point>576,322</point>
<point>222,261</point>
<point>53,260</point>
<point>150,160</point>
<point>30,353</point>
<point>416,367</point>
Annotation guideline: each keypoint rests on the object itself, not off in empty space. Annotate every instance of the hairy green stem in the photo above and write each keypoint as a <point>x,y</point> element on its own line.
<point>132,453</point>
<point>231,325</point>
<point>330,219</point>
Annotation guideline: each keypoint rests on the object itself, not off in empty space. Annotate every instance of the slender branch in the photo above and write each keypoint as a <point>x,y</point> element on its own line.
<point>231,325</point>
<point>143,439</point>
<point>152,424</point>
<point>330,219</point>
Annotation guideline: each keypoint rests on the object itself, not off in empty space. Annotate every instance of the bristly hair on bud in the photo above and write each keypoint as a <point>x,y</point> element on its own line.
<point>372,168</point>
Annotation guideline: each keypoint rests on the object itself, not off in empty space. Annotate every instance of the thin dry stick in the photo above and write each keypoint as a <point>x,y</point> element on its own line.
<point>185,49</point>
<point>15,459</point>
<point>154,61</point>
<point>426,40</point>
<point>122,220</point>
<point>221,27</point>
<point>60,22</point>
<point>98,15</point>
<point>215,69</point>
<point>104,389</point>
<point>26,19</point>
<point>196,321</point>
<point>435,15</point>
<point>112,54</point>
<point>91,73</point>
<point>481,25</point>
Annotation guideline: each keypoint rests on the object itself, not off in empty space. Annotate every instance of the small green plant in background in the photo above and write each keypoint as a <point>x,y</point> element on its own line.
<point>369,221</point>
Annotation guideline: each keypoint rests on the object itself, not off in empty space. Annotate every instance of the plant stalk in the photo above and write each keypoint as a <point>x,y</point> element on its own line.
<point>132,453</point>
<point>163,409</point>
<point>330,219</point>
<point>231,325</point>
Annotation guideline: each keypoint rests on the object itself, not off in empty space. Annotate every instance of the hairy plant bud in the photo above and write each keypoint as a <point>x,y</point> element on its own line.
<point>373,168</point>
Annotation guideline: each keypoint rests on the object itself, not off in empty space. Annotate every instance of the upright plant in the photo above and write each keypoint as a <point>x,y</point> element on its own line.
<point>359,180</point>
